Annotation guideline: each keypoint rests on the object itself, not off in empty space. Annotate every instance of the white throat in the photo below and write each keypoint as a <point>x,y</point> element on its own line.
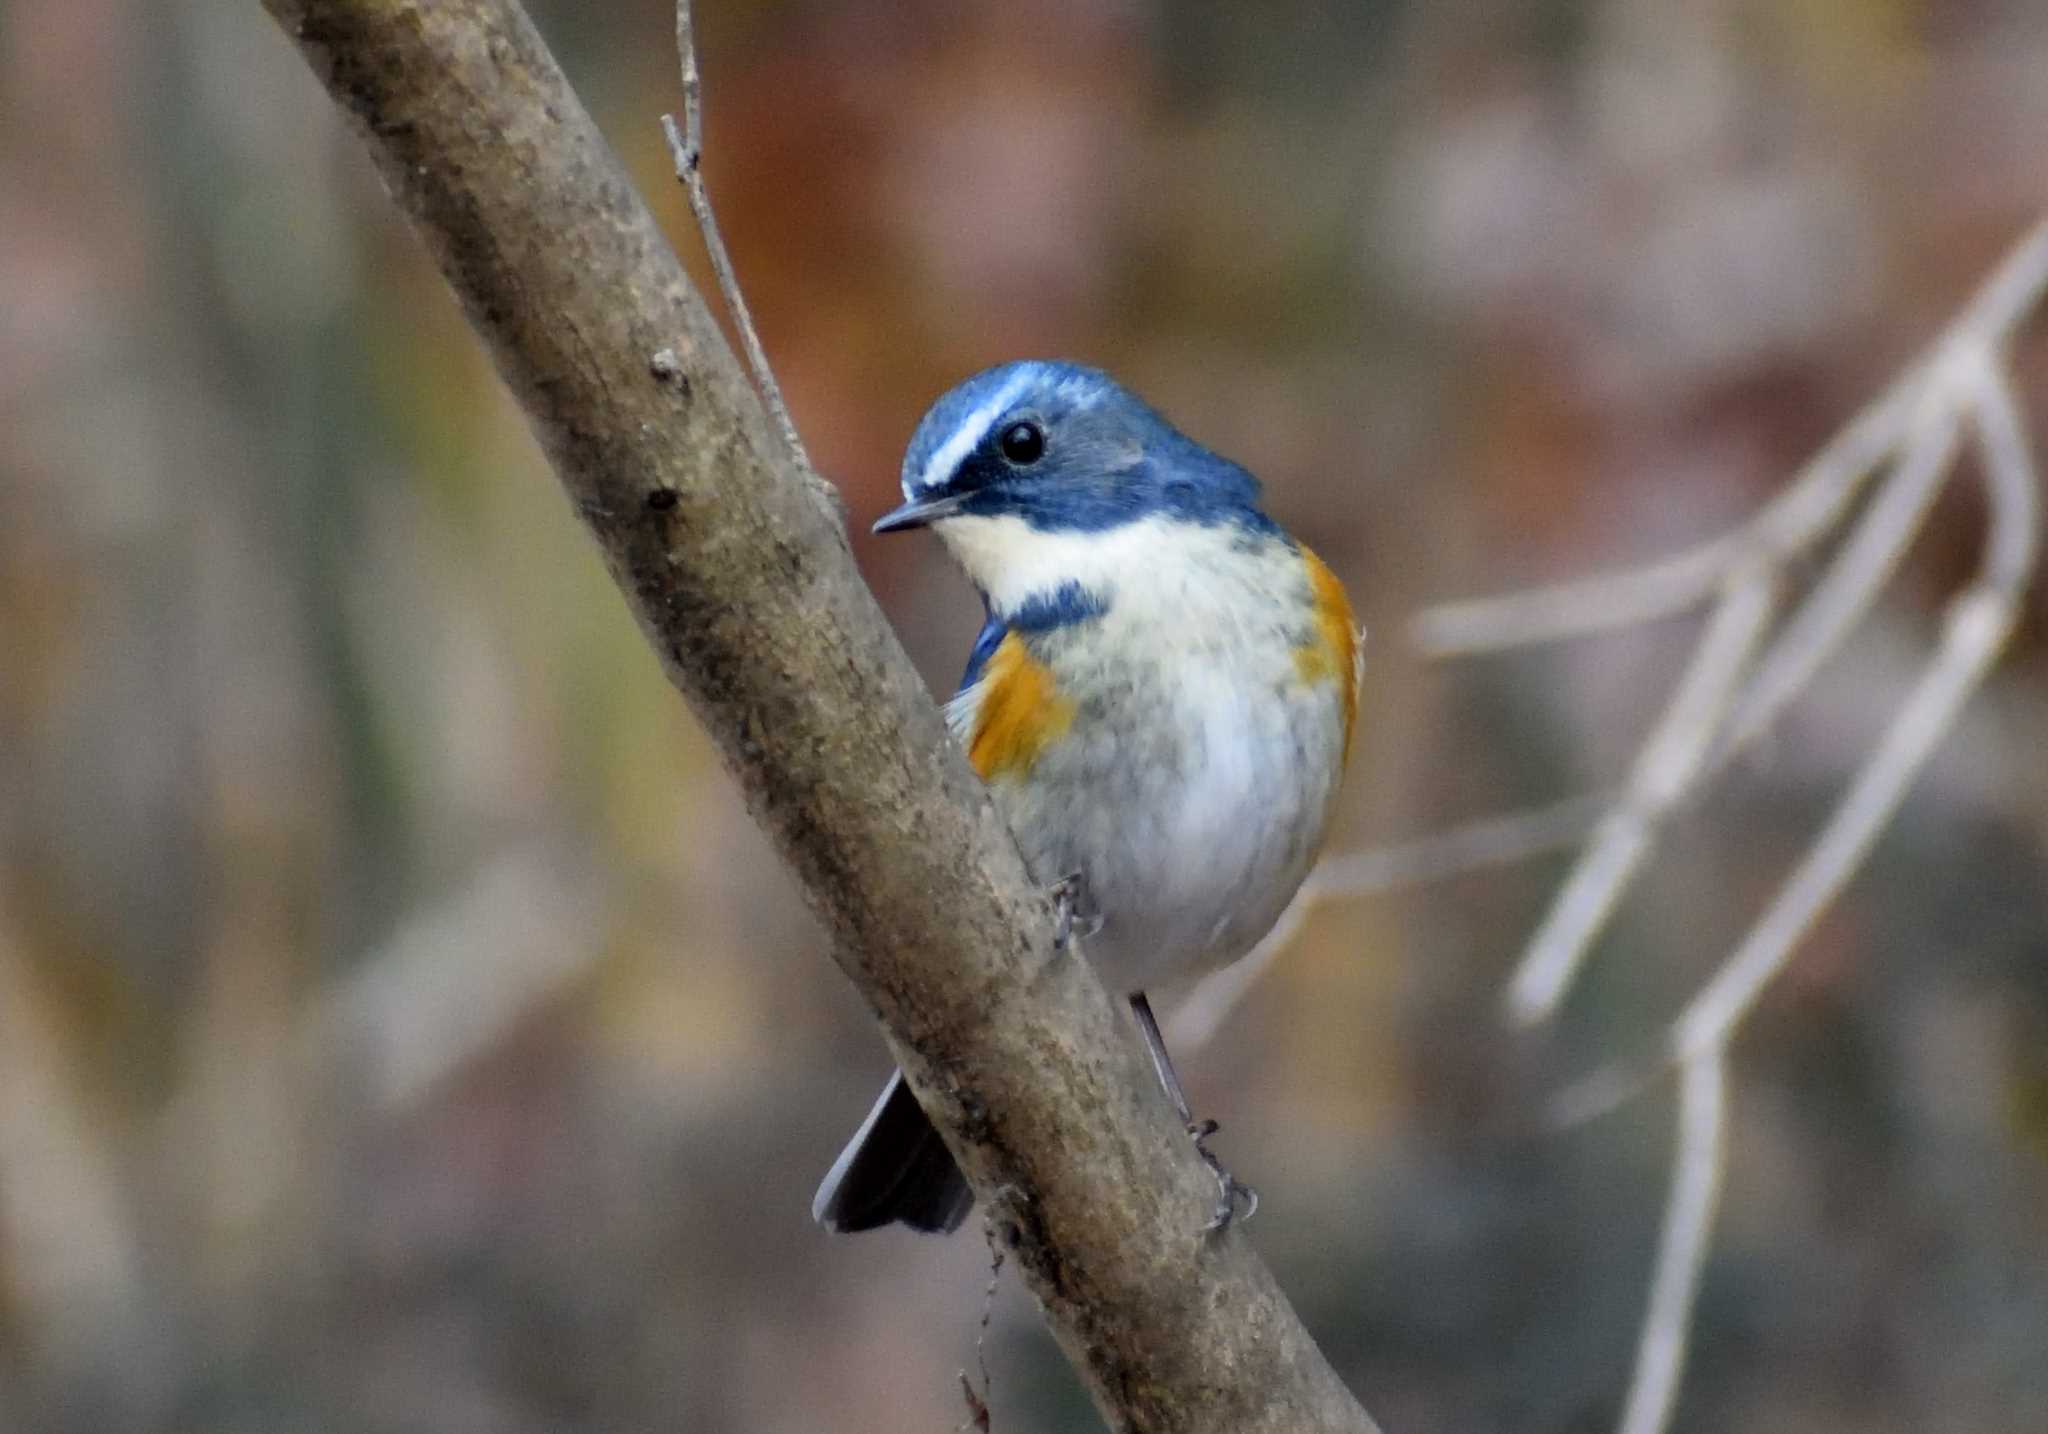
<point>1013,562</point>
<point>1155,562</point>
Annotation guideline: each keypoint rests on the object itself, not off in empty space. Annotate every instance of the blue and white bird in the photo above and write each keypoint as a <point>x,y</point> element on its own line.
<point>1161,703</point>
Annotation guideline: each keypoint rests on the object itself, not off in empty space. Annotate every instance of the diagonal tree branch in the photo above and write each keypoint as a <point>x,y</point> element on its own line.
<point>740,576</point>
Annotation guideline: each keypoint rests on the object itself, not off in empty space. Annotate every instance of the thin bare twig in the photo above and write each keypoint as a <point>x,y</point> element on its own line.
<point>686,150</point>
<point>1697,1166</point>
<point>458,977</point>
<point>2007,297</point>
<point>1733,693</point>
<point>1804,512</point>
<point>1699,734</point>
<point>1489,842</point>
<point>1976,629</point>
<point>2012,482</point>
<point>1979,621</point>
<point>1664,772</point>
<point>1629,598</point>
<point>1855,574</point>
<point>1473,846</point>
<point>977,1398</point>
<point>1731,696</point>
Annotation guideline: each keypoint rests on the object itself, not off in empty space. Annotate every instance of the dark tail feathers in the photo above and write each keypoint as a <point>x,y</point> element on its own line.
<point>894,1168</point>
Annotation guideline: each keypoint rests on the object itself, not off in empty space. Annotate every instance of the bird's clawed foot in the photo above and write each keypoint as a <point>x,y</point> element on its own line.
<point>1071,912</point>
<point>1229,1189</point>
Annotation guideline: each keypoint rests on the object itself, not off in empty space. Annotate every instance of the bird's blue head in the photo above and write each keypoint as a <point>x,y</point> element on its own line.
<point>1036,458</point>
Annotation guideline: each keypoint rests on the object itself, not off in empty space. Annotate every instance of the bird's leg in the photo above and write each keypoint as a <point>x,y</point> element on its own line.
<point>1228,1186</point>
<point>1072,915</point>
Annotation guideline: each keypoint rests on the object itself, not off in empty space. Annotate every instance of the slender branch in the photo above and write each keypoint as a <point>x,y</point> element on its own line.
<point>1978,624</point>
<point>1808,508</point>
<point>1697,1165</point>
<point>1974,634</point>
<point>1474,846</point>
<point>1817,496</point>
<point>456,978</point>
<point>1731,697</point>
<point>1664,772</point>
<point>743,583</point>
<point>2007,298</point>
<point>1724,704</point>
<point>1727,702</point>
<point>686,150</point>
<point>2012,482</point>
<point>1854,575</point>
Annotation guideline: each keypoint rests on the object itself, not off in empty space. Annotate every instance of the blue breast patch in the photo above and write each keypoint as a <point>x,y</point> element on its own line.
<point>1064,606</point>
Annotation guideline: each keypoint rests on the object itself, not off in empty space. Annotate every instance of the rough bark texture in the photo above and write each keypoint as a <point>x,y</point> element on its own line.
<point>737,568</point>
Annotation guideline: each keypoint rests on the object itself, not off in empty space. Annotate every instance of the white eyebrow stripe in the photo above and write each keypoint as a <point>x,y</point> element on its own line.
<point>968,435</point>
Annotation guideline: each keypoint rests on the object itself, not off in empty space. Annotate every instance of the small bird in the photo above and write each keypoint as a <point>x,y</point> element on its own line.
<point>1160,701</point>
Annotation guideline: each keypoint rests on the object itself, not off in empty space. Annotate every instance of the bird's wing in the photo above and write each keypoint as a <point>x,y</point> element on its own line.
<point>966,700</point>
<point>1009,708</point>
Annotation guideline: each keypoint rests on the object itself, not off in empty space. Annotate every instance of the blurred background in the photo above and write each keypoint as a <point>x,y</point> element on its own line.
<point>403,1028</point>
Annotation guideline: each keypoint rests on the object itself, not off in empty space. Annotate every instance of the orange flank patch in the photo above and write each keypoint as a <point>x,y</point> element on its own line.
<point>1332,653</point>
<point>1021,712</point>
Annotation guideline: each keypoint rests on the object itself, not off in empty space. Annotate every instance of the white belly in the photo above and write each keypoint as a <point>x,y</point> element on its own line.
<point>1191,787</point>
<point>1191,796</point>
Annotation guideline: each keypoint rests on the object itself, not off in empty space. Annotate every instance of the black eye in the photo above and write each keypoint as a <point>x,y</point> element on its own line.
<point>1022,443</point>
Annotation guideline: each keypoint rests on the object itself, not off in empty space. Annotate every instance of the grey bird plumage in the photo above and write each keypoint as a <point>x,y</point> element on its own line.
<point>1160,701</point>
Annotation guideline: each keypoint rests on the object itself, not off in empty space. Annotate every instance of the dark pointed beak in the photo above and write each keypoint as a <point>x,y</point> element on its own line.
<point>919,512</point>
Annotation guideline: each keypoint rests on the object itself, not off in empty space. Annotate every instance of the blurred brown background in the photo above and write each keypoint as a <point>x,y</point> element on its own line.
<point>401,1026</point>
